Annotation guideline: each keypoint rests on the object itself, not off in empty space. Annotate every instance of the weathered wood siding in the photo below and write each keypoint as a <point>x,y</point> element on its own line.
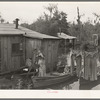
<point>31,44</point>
<point>50,51</point>
<point>48,47</point>
<point>11,62</point>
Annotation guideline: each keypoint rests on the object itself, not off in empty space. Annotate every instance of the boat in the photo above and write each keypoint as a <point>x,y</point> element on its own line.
<point>23,71</point>
<point>85,82</point>
<point>40,82</point>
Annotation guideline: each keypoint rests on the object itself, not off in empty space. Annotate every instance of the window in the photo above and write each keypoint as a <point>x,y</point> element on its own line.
<point>17,49</point>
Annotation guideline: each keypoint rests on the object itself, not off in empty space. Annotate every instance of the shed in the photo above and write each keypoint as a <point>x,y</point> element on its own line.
<point>18,44</point>
<point>46,43</point>
<point>65,36</point>
<point>66,42</point>
<point>12,48</point>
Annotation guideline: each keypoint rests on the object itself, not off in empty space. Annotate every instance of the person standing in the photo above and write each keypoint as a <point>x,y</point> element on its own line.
<point>78,63</point>
<point>41,63</point>
<point>42,67</point>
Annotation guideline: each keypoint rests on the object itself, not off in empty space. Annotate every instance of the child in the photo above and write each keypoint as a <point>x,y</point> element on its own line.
<point>29,64</point>
<point>66,69</point>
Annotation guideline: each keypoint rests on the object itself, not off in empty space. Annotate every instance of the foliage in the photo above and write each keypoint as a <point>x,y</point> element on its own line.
<point>54,21</point>
<point>2,20</point>
<point>50,23</point>
<point>62,61</point>
<point>86,32</point>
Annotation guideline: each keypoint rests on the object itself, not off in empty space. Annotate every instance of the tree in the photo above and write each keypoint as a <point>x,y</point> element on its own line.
<point>2,20</point>
<point>79,25</point>
<point>51,23</point>
<point>52,8</point>
<point>24,24</point>
<point>97,18</point>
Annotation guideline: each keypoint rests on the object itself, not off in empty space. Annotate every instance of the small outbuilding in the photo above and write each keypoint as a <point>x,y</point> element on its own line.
<point>12,48</point>
<point>48,45</point>
<point>18,43</point>
<point>66,42</point>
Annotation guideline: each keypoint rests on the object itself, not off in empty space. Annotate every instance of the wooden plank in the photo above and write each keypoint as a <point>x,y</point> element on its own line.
<point>15,39</point>
<point>9,53</point>
<point>2,54</point>
<point>23,57</point>
<point>16,62</point>
<point>46,55</point>
<point>28,48</point>
<point>13,63</point>
<point>39,44</point>
<point>22,62</point>
<point>57,43</point>
<point>45,52</point>
<point>54,55</point>
<point>35,44</point>
<point>5,54</point>
<point>43,47</point>
<point>50,55</point>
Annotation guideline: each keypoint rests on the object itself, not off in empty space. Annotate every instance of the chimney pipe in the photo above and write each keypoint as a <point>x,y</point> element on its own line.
<point>17,23</point>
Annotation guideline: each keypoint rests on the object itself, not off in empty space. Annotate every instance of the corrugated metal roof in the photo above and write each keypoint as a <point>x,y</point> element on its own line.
<point>65,36</point>
<point>9,29</point>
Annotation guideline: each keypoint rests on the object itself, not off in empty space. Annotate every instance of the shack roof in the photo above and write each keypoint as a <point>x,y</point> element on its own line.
<point>65,36</point>
<point>9,29</point>
<point>34,34</point>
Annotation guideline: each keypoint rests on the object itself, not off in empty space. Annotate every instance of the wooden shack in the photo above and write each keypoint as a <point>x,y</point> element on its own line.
<point>66,42</point>
<point>18,43</point>
<point>48,45</point>
<point>12,47</point>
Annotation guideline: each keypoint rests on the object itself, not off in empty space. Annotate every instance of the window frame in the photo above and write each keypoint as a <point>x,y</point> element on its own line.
<point>18,51</point>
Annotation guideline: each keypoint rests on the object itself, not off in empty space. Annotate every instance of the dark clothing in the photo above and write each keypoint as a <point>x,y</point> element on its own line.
<point>72,64</point>
<point>78,65</point>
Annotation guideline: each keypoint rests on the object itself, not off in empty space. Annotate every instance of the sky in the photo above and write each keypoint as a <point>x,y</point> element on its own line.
<point>29,11</point>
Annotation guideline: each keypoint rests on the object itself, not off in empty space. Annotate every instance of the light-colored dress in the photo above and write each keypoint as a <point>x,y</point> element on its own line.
<point>42,68</point>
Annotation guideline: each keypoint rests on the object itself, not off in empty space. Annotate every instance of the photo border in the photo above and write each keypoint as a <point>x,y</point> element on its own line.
<point>71,98</point>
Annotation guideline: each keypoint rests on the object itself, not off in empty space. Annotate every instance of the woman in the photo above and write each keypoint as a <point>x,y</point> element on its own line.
<point>42,67</point>
<point>41,64</point>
